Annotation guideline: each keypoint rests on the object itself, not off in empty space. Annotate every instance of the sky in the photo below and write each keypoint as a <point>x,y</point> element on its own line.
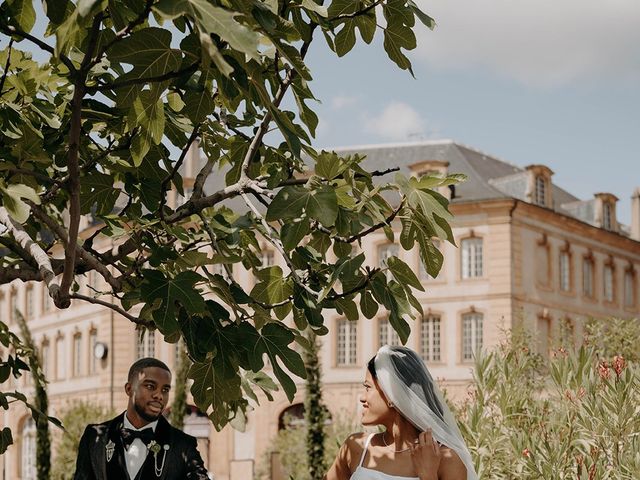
<point>546,82</point>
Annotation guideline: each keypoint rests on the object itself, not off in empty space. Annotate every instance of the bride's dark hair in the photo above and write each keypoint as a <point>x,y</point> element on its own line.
<point>412,371</point>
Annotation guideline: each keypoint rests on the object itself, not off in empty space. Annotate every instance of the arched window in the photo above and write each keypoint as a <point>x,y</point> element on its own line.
<point>28,450</point>
<point>291,417</point>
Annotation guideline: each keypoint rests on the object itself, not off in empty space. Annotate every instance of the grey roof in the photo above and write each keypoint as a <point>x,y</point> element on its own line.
<point>487,177</point>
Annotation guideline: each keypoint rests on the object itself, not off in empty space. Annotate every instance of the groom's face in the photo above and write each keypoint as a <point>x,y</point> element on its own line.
<point>149,393</point>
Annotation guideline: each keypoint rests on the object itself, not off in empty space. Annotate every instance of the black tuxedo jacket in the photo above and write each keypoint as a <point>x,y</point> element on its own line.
<point>182,458</point>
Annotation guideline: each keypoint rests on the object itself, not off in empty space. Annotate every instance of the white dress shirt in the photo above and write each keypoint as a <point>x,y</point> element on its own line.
<point>137,452</point>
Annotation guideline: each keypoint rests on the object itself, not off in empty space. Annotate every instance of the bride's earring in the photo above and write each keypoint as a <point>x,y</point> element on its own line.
<point>390,404</point>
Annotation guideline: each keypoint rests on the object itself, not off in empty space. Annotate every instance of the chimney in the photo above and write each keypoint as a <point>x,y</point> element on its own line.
<point>635,215</point>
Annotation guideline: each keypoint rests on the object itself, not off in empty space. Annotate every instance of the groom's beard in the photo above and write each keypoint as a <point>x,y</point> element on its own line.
<point>149,417</point>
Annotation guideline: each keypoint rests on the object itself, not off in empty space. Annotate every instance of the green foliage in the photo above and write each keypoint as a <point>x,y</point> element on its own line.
<point>75,419</point>
<point>614,336</point>
<point>43,439</point>
<point>13,365</point>
<point>315,412</point>
<point>573,416</point>
<point>179,404</point>
<point>103,123</point>
<point>291,448</point>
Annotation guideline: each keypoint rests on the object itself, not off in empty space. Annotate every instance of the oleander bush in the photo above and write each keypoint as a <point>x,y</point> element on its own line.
<point>574,415</point>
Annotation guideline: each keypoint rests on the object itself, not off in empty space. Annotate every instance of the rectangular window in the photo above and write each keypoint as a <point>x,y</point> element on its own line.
<point>146,345</point>
<point>471,335</point>
<point>587,277</point>
<point>93,339</point>
<point>77,355</point>
<point>13,305</point>
<point>607,283</point>
<point>30,306</point>
<point>629,289</point>
<point>47,301</point>
<point>430,338</point>
<point>45,353</point>
<point>542,264</point>
<point>386,334</point>
<point>61,361</point>
<point>541,191</point>
<point>565,271</point>
<point>471,257</point>
<point>346,342</point>
<point>267,258</point>
<point>607,220</point>
<point>543,336</point>
<point>384,253</point>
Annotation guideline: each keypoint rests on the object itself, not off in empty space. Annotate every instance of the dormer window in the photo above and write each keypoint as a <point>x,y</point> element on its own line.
<point>607,224</point>
<point>541,191</point>
<point>539,185</point>
<point>605,211</point>
<point>433,168</point>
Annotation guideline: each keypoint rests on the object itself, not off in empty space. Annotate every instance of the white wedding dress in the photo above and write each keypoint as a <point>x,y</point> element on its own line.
<point>363,473</point>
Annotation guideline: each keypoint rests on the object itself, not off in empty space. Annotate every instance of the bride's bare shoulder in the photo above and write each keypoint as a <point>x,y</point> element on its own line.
<point>354,445</point>
<point>451,467</point>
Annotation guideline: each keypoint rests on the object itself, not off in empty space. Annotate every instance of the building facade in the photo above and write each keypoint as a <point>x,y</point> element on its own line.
<point>527,252</point>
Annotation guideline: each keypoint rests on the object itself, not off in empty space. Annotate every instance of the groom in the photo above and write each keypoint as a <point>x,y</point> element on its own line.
<point>140,444</point>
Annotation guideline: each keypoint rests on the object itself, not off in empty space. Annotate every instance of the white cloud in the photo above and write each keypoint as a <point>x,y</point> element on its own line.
<point>544,43</point>
<point>343,101</point>
<point>398,121</point>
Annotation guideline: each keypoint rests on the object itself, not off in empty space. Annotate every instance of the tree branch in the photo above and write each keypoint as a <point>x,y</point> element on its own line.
<point>97,301</point>
<point>73,183</point>
<point>345,16</point>
<point>275,241</point>
<point>11,30</point>
<point>92,262</point>
<point>141,81</point>
<point>169,178</point>
<point>125,31</point>
<point>201,178</point>
<point>40,256</point>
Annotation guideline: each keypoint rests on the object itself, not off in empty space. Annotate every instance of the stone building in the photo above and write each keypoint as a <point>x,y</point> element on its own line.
<point>526,251</point>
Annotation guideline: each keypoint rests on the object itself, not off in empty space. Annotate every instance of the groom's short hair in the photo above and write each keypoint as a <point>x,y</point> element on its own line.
<point>143,363</point>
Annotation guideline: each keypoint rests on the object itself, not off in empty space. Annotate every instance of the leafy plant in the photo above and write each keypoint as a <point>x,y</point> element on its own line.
<point>13,365</point>
<point>290,447</point>
<point>75,417</point>
<point>573,416</point>
<point>43,439</point>
<point>101,127</point>
<point>315,412</point>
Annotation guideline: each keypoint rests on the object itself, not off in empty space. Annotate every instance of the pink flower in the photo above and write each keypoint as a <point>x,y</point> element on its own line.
<point>603,370</point>
<point>618,364</point>
<point>526,453</point>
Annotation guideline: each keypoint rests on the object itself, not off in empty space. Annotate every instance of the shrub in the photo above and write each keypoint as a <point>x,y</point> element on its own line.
<point>75,418</point>
<point>290,443</point>
<point>575,415</point>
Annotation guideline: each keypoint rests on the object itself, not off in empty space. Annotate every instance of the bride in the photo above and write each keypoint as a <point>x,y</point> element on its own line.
<point>421,440</point>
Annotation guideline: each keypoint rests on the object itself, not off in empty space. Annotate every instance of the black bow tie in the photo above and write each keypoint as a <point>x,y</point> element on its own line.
<point>128,436</point>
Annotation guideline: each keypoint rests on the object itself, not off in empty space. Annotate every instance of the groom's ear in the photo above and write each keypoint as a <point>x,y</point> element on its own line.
<point>128,389</point>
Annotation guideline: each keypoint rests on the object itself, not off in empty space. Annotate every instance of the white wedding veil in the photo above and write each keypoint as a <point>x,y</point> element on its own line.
<point>406,382</point>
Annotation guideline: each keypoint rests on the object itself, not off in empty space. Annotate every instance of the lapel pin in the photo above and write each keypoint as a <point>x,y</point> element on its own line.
<point>110,447</point>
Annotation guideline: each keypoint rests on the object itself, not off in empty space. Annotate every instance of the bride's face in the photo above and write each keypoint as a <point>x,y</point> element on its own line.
<point>375,409</point>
